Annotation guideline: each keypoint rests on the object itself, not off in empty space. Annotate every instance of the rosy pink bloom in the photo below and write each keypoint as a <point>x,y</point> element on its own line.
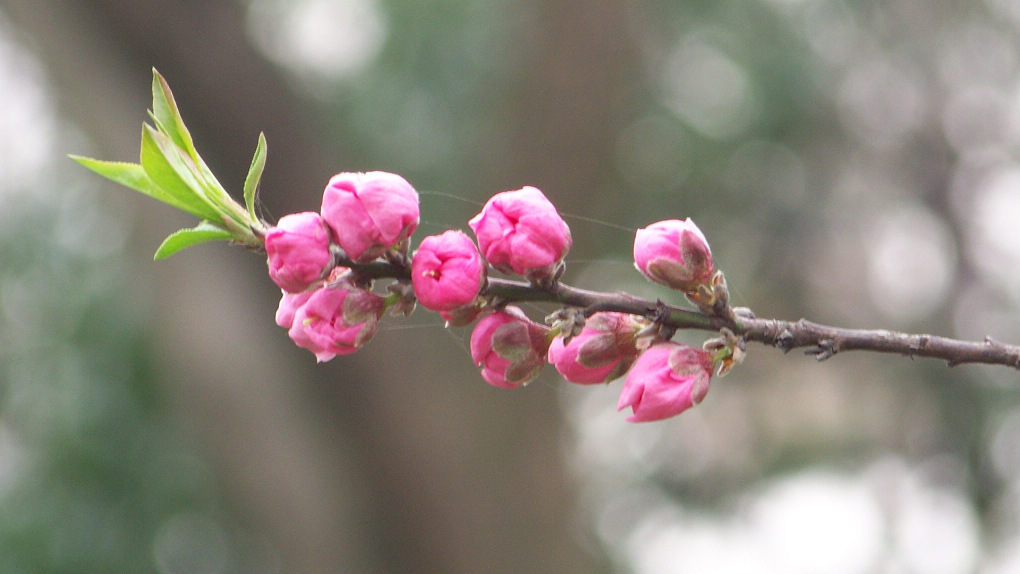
<point>336,320</point>
<point>674,253</point>
<point>603,351</point>
<point>509,347</point>
<point>289,304</point>
<point>370,213</point>
<point>298,251</point>
<point>447,272</point>
<point>521,232</point>
<point>667,379</point>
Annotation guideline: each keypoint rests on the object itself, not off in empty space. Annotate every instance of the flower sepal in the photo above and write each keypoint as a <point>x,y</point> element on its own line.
<point>509,347</point>
<point>727,351</point>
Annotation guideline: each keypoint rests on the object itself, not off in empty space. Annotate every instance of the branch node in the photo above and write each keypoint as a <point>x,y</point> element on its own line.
<point>784,340</point>
<point>567,321</point>
<point>744,313</point>
<point>658,328</point>
<point>825,349</point>
<point>923,341</point>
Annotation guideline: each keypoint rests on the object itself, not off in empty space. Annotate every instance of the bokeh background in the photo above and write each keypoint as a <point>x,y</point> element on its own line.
<point>856,163</point>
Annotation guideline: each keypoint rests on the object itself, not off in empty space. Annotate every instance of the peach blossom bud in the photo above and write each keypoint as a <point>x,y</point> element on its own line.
<point>509,347</point>
<point>370,213</point>
<point>603,351</point>
<point>289,304</point>
<point>521,232</point>
<point>674,253</point>
<point>667,379</point>
<point>447,272</point>
<point>298,251</point>
<point>336,320</point>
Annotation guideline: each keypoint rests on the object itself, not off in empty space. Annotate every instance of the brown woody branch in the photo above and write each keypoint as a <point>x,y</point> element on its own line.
<point>820,341</point>
<point>823,342</point>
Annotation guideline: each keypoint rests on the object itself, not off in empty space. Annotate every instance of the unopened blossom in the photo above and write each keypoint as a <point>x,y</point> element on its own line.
<point>298,251</point>
<point>509,348</point>
<point>336,320</point>
<point>667,379</point>
<point>674,253</point>
<point>521,232</point>
<point>447,271</point>
<point>370,213</point>
<point>289,304</point>
<point>603,351</point>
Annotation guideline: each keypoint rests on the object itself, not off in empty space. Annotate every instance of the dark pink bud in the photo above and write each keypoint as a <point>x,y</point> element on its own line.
<point>521,232</point>
<point>674,253</point>
<point>370,213</point>
<point>603,351</point>
<point>298,251</point>
<point>667,379</point>
<point>509,347</point>
<point>447,272</point>
<point>336,320</point>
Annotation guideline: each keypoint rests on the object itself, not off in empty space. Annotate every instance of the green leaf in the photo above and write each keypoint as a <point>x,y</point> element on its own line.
<point>164,164</point>
<point>251,182</point>
<point>167,117</point>
<point>185,238</point>
<point>133,176</point>
<point>169,122</point>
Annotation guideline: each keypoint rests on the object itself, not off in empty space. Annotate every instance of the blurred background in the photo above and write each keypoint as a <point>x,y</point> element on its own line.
<point>856,163</point>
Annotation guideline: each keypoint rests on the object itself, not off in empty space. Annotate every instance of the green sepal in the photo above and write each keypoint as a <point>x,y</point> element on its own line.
<point>251,182</point>
<point>512,341</point>
<point>185,238</point>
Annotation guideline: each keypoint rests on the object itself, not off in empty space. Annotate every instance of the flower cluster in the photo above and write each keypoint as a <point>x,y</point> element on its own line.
<point>329,306</point>
<point>326,263</point>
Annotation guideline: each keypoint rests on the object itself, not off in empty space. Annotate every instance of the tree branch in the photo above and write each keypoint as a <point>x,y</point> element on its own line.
<point>823,342</point>
<point>820,341</point>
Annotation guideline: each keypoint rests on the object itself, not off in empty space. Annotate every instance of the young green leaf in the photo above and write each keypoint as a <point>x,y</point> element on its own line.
<point>169,122</point>
<point>251,182</point>
<point>162,161</point>
<point>185,238</point>
<point>167,117</point>
<point>133,176</point>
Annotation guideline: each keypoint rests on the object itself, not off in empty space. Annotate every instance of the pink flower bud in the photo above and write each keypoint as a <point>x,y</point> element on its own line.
<point>298,251</point>
<point>447,272</point>
<point>509,348</point>
<point>667,379</point>
<point>336,320</point>
<point>603,351</point>
<point>674,253</point>
<point>289,304</point>
<point>370,213</point>
<point>521,232</point>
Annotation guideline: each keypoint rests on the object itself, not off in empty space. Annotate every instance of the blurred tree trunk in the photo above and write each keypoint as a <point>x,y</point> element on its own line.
<point>386,460</point>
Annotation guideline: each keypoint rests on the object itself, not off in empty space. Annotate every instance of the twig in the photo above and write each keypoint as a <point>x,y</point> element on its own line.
<point>823,342</point>
<point>820,341</point>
